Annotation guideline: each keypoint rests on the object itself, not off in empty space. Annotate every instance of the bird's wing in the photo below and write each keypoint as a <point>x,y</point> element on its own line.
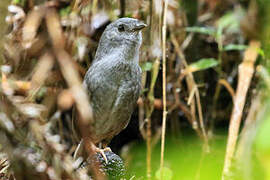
<point>113,91</point>
<point>125,102</point>
<point>102,92</point>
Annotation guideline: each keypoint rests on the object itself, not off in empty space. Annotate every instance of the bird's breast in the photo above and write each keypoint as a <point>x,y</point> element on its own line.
<point>114,89</point>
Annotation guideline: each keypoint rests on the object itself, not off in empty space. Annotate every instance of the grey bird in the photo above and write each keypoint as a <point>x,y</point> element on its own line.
<point>113,81</point>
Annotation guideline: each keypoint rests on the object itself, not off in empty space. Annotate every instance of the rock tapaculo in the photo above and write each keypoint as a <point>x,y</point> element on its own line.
<point>113,81</point>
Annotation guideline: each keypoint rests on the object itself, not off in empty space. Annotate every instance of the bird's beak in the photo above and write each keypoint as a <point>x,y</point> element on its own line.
<point>139,26</point>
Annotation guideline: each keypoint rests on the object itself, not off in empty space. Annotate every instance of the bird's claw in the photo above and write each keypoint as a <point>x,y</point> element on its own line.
<point>102,152</point>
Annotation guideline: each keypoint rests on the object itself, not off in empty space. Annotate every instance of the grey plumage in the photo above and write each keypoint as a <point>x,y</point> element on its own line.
<point>113,81</point>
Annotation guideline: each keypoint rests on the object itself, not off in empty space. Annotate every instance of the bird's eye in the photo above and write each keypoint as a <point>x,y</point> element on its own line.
<point>121,28</point>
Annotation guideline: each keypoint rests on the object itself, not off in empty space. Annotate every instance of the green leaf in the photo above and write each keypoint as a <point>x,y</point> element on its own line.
<point>16,1</point>
<point>230,20</point>
<point>202,64</point>
<point>166,175</point>
<point>65,11</point>
<point>237,47</point>
<point>144,90</point>
<point>261,52</point>
<point>147,66</point>
<point>202,30</point>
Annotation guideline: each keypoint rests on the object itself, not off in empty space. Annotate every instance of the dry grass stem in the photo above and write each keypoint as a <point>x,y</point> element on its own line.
<point>228,87</point>
<point>192,88</point>
<point>246,69</point>
<point>164,30</point>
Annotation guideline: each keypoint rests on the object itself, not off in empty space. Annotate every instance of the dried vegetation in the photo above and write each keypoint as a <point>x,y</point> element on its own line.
<point>48,46</point>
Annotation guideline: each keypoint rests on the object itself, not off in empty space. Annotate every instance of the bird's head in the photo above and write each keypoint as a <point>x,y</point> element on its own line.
<point>124,35</point>
<point>124,31</point>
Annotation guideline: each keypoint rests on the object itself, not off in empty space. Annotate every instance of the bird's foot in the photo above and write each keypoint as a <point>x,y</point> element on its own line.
<point>102,152</point>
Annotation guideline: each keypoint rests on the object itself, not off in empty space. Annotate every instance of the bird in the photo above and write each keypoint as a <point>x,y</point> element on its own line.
<point>113,81</point>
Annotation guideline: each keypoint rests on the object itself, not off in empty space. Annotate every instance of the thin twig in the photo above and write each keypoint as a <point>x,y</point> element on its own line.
<point>192,86</point>
<point>164,27</point>
<point>149,147</point>
<point>199,107</point>
<point>122,8</point>
<point>150,97</point>
<point>228,87</point>
<point>149,111</point>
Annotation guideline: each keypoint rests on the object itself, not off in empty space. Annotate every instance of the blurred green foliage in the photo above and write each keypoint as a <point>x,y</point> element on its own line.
<point>183,156</point>
<point>167,174</point>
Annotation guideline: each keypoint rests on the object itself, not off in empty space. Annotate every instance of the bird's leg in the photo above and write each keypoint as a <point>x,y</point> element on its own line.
<point>104,146</point>
<point>98,149</point>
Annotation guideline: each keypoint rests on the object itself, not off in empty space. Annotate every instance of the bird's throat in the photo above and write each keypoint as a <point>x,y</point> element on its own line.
<point>127,52</point>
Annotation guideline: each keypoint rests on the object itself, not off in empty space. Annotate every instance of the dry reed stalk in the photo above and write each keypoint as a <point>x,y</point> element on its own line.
<point>164,30</point>
<point>246,70</point>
